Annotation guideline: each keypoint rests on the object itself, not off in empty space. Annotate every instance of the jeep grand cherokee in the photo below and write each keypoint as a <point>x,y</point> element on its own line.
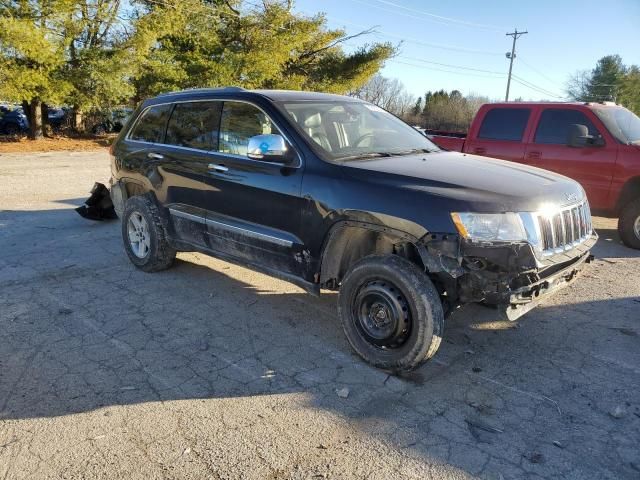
<point>335,193</point>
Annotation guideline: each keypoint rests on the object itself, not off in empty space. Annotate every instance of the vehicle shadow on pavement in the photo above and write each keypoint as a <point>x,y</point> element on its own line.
<point>82,329</point>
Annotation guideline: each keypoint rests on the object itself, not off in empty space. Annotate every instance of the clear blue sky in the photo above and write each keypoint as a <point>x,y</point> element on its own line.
<point>564,36</point>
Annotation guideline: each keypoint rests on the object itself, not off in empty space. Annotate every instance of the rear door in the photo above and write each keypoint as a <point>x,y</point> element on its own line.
<point>500,133</point>
<point>192,133</point>
<point>590,165</point>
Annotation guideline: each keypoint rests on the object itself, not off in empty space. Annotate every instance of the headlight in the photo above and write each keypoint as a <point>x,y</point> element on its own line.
<point>490,227</point>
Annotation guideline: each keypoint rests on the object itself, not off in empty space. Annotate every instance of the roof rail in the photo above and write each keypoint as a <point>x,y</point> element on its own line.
<point>204,90</point>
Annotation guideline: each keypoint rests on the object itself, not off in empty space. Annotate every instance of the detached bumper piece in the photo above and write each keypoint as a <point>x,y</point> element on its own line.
<point>528,297</point>
<point>99,205</point>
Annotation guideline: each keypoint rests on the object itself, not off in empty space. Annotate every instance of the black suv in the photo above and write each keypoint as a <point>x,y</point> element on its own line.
<point>332,192</point>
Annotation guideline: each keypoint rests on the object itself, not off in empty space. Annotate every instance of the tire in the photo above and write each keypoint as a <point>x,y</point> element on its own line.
<point>12,129</point>
<point>629,224</point>
<point>373,292</point>
<point>144,235</point>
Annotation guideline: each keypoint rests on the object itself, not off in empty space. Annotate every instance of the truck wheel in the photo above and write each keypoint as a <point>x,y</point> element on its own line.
<point>629,224</point>
<point>391,313</point>
<point>144,235</point>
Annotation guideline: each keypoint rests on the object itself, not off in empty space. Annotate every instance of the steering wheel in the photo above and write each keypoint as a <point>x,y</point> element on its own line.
<point>363,138</point>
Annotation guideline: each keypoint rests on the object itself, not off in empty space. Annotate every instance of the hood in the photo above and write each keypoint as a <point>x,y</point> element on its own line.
<point>482,184</point>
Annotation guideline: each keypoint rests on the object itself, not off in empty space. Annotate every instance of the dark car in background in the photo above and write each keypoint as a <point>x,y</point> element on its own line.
<point>331,192</point>
<point>13,121</point>
<point>111,122</point>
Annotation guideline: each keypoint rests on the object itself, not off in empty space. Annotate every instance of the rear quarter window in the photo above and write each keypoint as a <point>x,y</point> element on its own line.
<point>504,124</point>
<point>151,125</point>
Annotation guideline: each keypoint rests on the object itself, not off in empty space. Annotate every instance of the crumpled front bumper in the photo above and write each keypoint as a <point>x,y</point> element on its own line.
<point>526,298</point>
<point>512,278</point>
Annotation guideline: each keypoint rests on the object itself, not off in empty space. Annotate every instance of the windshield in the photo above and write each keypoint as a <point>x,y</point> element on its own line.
<point>354,130</point>
<point>623,124</point>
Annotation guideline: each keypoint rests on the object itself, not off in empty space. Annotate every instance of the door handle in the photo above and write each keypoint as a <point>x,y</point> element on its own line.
<point>217,168</point>
<point>155,156</point>
<point>480,150</point>
<point>534,155</point>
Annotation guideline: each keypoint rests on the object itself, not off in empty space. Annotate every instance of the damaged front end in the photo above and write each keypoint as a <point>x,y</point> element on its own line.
<point>512,275</point>
<point>513,278</point>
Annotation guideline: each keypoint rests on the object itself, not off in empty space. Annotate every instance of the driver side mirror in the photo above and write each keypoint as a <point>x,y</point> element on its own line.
<point>578,137</point>
<point>269,148</point>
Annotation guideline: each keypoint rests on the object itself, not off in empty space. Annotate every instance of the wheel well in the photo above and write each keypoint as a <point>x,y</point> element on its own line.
<point>630,191</point>
<point>348,244</point>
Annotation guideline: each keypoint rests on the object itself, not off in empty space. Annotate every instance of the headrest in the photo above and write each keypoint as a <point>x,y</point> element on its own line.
<point>313,121</point>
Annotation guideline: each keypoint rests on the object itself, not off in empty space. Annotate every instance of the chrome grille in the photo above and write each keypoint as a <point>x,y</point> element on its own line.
<point>565,228</point>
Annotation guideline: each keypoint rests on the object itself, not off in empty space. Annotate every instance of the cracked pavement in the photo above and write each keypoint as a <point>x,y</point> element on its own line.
<point>210,370</point>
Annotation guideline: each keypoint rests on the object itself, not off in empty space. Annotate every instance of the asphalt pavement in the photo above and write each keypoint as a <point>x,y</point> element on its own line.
<point>210,370</point>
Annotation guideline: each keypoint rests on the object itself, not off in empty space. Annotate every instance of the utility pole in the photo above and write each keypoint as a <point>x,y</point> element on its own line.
<point>511,55</point>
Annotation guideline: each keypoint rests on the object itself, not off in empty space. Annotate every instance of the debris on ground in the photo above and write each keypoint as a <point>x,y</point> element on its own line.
<point>99,205</point>
<point>342,392</point>
<point>618,412</point>
<point>535,457</point>
<point>482,425</point>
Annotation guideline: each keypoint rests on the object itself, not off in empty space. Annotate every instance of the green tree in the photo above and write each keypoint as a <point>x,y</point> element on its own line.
<point>629,91</point>
<point>31,57</point>
<point>193,43</point>
<point>98,54</point>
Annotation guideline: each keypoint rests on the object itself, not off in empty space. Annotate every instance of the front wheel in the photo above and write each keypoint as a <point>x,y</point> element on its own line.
<point>391,312</point>
<point>629,224</point>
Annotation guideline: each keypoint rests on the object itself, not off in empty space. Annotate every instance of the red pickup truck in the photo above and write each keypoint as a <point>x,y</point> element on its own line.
<point>597,144</point>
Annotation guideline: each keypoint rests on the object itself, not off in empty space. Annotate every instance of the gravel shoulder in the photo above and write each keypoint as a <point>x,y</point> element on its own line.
<point>210,370</point>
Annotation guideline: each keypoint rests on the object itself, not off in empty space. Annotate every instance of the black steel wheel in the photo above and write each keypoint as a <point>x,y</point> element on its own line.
<point>391,312</point>
<point>382,313</point>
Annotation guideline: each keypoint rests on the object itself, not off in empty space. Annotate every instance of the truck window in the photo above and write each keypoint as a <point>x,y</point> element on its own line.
<point>150,126</point>
<point>504,124</point>
<point>554,125</point>
<point>195,125</point>
<point>241,121</point>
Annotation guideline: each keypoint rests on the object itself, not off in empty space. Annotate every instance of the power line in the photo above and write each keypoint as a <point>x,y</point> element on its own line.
<point>538,87</point>
<point>516,35</point>
<point>550,80</point>
<point>452,66</point>
<point>409,39</point>
<point>441,69</point>
<point>439,17</point>
<point>535,87</point>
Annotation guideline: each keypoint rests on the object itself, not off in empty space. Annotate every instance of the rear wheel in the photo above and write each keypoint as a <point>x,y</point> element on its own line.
<point>629,224</point>
<point>391,313</point>
<point>144,235</point>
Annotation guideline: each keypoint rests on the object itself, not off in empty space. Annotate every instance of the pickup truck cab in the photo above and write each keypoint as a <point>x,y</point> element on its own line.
<point>597,144</point>
<point>330,192</point>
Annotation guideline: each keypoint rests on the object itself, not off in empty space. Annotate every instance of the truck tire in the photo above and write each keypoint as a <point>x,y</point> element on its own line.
<point>391,313</point>
<point>144,235</point>
<point>629,224</point>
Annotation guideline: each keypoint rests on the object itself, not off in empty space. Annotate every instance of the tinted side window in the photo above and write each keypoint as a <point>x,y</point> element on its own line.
<point>195,125</point>
<point>504,124</point>
<point>555,123</point>
<point>150,126</point>
<point>241,121</point>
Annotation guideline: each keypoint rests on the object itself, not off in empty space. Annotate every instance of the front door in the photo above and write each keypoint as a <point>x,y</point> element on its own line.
<point>254,207</point>
<point>592,166</point>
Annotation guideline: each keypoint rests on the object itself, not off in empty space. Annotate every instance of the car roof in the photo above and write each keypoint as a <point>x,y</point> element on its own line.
<point>273,95</point>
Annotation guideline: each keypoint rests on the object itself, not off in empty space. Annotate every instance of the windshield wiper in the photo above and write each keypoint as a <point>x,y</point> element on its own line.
<point>387,154</point>
<point>360,156</point>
